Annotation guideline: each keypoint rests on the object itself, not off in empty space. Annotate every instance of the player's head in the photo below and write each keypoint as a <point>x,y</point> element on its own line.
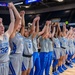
<point>1,27</point>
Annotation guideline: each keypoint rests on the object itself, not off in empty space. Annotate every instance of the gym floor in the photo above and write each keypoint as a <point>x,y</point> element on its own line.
<point>69,71</point>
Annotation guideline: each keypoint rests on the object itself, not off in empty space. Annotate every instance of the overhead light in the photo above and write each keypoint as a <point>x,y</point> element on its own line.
<point>27,6</point>
<point>18,3</point>
<point>60,0</point>
<point>55,20</point>
<point>30,15</point>
<point>67,11</point>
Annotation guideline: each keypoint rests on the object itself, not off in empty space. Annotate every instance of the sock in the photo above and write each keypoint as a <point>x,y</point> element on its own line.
<point>69,64</point>
<point>73,60</point>
<point>63,66</point>
<point>60,69</point>
<point>55,73</point>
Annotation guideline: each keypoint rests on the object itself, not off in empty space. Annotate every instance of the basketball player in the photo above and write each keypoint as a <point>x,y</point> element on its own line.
<point>4,43</point>
<point>50,46</point>
<point>36,58</point>
<point>57,50</point>
<point>44,52</point>
<point>16,44</point>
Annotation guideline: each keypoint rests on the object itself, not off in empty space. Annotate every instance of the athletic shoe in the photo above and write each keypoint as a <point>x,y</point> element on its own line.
<point>60,69</point>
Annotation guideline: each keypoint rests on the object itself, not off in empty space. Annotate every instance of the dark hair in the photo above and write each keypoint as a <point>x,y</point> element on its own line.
<point>26,27</point>
<point>68,27</point>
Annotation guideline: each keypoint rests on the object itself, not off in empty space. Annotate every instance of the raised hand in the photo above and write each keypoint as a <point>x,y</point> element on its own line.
<point>64,25</point>
<point>22,13</point>
<point>0,20</point>
<point>48,22</point>
<point>10,5</point>
<point>37,18</point>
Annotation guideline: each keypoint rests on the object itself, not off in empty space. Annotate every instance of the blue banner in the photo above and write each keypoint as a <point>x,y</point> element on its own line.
<point>30,1</point>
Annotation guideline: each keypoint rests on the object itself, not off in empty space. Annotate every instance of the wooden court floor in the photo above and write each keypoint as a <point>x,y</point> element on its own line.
<point>69,71</point>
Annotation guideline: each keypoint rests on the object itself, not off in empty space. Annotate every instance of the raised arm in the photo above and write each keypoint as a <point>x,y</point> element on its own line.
<point>37,26</point>
<point>58,29</point>
<point>35,29</point>
<point>41,32</point>
<point>35,21</point>
<point>48,27</point>
<point>12,19</point>
<point>64,28</point>
<point>53,32</point>
<point>49,30</point>
<point>17,21</point>
<point>69,33</point>
<point>22,14</point>
<point>74,32</point>
<point>17,16</point>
